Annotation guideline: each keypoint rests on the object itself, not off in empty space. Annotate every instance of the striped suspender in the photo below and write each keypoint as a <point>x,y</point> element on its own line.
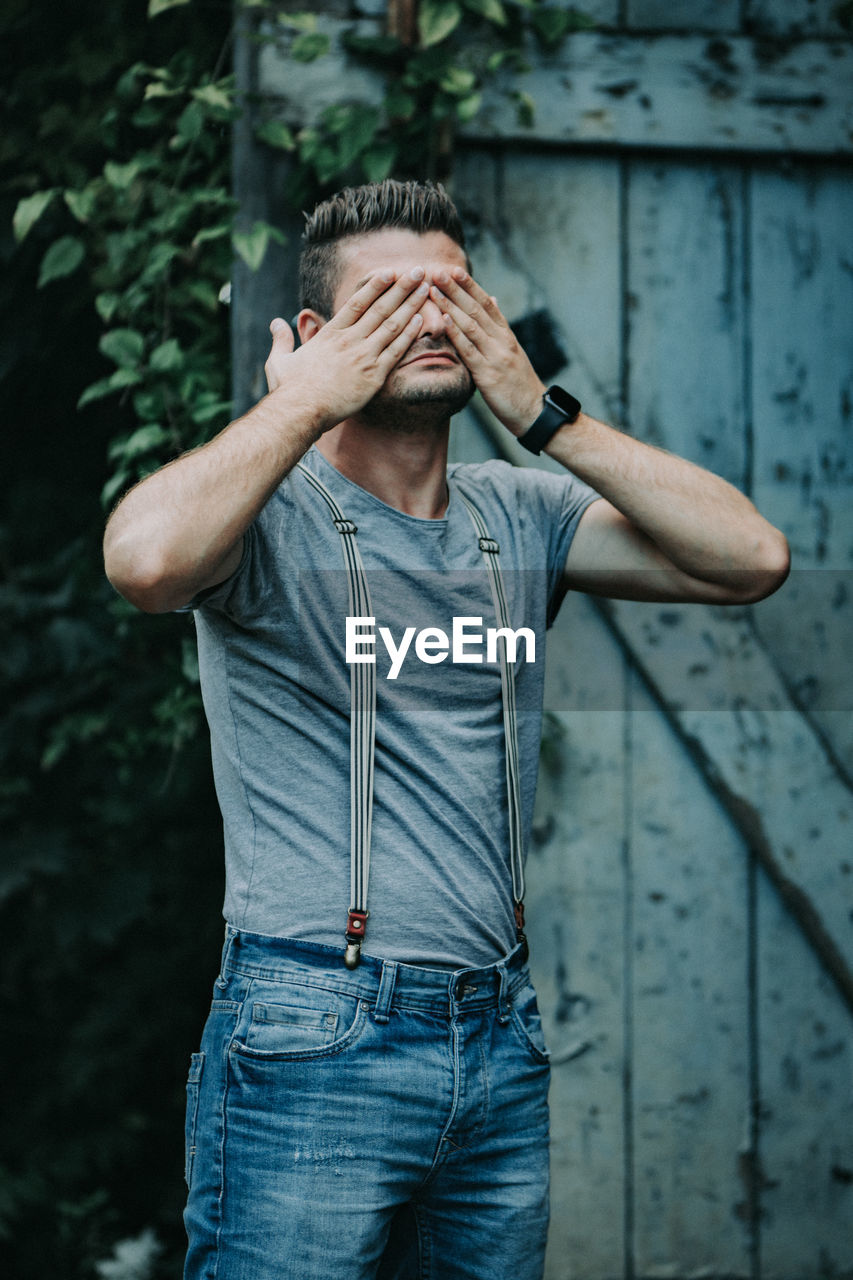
<point>363,724</point>
<point>490,550</point>
<point>362,731</point>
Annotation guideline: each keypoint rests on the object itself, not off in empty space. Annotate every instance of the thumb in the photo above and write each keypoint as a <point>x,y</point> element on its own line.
<point>282,346</point>
<point>282,335</point>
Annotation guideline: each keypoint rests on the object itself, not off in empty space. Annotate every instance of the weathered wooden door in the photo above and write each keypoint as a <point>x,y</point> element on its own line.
<point>678,224</point>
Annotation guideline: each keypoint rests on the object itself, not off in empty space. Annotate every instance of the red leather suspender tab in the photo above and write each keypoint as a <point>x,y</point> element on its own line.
<point>363,726</point>
<point>356,925</point>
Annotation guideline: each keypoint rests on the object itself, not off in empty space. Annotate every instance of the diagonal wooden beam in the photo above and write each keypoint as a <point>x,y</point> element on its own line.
<point>767,765</point>
<point>712,677</point>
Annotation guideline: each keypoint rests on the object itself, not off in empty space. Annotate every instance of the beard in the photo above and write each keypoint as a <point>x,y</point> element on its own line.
<point>426,402</point>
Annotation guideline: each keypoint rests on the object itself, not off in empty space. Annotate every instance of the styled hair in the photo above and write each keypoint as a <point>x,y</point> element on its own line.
<point>413,206</point>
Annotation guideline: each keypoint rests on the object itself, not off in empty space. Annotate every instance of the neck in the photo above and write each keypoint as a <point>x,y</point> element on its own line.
<point>406,470</point>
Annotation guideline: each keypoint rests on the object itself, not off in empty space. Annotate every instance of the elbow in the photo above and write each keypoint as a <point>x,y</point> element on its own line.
<point>772,564</point>
<point>140,579</point>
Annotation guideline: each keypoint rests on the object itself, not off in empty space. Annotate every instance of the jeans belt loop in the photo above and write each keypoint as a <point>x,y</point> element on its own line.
<point>504,1003</point>
<point>385,994</point>
<point>230,935</point>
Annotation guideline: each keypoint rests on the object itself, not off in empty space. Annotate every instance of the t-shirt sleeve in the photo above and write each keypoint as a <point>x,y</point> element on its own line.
<point>560,501</point>
<point>225,596</point>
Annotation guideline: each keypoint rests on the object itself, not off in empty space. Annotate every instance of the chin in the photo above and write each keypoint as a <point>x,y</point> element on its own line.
<point>450,386</point>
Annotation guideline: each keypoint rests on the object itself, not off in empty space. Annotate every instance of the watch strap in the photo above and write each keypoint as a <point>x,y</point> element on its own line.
<point>558,408</point>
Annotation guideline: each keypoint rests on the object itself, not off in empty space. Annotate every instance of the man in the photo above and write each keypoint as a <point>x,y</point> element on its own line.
<point>370,1098</point>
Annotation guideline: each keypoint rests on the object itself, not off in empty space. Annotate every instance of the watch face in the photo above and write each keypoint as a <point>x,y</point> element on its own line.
<point>565,403</point>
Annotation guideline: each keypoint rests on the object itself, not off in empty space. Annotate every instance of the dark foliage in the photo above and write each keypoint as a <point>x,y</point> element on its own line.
<point>110,874</point>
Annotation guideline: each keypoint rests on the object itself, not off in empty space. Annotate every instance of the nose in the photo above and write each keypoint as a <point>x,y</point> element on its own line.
<point>433,319</point>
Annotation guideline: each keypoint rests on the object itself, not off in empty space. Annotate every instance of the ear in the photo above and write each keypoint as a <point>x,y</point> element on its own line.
<point>308,323</point>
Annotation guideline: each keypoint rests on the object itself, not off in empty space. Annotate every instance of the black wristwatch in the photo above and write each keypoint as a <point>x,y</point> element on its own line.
<point>558,408</point>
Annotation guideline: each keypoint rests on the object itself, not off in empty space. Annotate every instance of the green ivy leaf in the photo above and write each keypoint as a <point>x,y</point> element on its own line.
<point>275,133</point>
<point>309,46</point>
<point>552,25</point>
<point>142,441</point>
<point>82,203</point>
<point>156,7</point>
<point>120,176</point>
<point>208,407</point>
<point>106,305</point>
<point>437,19</point>
<point>167,356</point>
<point>79,728</point>
<point>355,127</point>
<point>29,211</point>
<point>191,122</point>
<point>211,233</point>
<point>113,488</point>
<point>124,347</point>
<point>252,245</point>
<point>525,109</point>
<point>189,660</point>
<point>214,96</point>
<point>378,161</point>
<point>383,46</point>
<point>62,258</point>
<point>299,21</point>
<point>491,9</point>
<point>398,104</point>
<point>468,107</point>
<point>106,386</point>
<point>458,81</point>
<point>156,89</point>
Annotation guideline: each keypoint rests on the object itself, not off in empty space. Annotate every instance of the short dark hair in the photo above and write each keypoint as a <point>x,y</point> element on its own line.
<point>414,206</point>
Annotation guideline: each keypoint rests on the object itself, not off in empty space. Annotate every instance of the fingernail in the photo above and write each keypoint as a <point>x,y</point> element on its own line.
<point>418,273</point>
<point>387,277</point>
<point>277,324</point>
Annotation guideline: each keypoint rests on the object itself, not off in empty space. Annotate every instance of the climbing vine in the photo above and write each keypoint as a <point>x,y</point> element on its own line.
<point>153,228</point>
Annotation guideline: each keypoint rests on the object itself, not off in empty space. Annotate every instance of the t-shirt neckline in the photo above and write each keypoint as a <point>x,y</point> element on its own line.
<point>421,521</point>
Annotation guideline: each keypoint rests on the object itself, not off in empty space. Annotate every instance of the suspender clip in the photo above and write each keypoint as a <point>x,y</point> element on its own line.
<point>345,526</point>
<point>490,545</point>
<point>356,925</point>
<point>521,936</point>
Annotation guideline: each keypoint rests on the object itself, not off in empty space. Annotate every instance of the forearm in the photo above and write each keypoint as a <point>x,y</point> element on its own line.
<point>180,529</point>
<point>699,522</point>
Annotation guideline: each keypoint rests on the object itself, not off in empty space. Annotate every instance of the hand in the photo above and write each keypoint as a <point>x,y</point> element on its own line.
<point>488,347</point>
<point>347,359</point>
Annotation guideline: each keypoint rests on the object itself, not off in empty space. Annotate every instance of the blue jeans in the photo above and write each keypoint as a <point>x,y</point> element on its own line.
<point>385,1123</point>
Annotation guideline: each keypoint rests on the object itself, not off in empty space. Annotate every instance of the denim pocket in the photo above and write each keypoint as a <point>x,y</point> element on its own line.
<point>297,1022</point>
<point>527,1022</point>
<point>193,1084</point>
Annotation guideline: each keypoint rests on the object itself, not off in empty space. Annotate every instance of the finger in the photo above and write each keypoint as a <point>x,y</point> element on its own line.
<point>396,349</point>
<point>462,289</point>
<point>467,349</point>
<point>391,312</point>
<point>388,327</point>
<point>383,285</point>
<point>461,325</point>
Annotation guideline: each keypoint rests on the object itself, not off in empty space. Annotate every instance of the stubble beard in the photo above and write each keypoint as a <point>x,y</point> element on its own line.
<point>428,405</point>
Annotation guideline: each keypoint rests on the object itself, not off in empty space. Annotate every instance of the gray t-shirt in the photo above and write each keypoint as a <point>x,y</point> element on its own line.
<point>275,681</point>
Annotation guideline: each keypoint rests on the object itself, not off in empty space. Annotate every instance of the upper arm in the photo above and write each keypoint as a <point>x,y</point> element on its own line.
<point>609,556</point>
<point>228,565</point>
